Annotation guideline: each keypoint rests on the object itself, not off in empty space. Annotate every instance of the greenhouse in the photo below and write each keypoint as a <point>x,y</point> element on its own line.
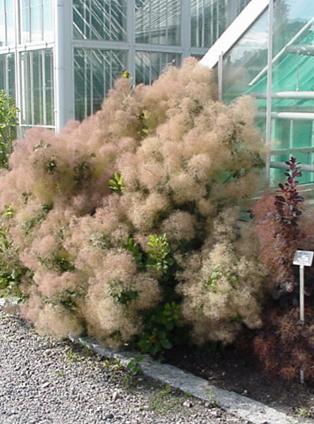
<point>58,59</point>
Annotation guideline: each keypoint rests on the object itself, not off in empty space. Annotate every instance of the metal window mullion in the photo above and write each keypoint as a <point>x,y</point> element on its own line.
<point>5,23</point>
<point>110,20</point>
<point>6,73</point>
<point>203,25</point>
<point>103,64</point>
<point>167,22</point>
<point>197,20</point>
<point>220,76</point>
<point>85,83</point>
<point>150,68</point>
<point>186,27</point>
<point>91,78</point>
<point>218,23</point>
<point>30,21</point>
<point>42,21</point>
<point>312,155</point>
<point>110,68</point>
<point>17,63</point>
<point>291,130</point>
<point>23,86</point>
<point>150,23</point>
<point>44,87</point>
<point>131,37</point>
<point>269,120</point>
<point>212,22</point>
<point>31,70</point>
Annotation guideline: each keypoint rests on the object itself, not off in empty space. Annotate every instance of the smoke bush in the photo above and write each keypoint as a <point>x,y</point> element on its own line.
<point>133,212</point>
<point>285,346</point>
<point>278,228</point>
<point>284,225</point>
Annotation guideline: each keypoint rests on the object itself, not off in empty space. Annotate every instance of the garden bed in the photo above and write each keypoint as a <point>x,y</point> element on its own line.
<point>231,370</point>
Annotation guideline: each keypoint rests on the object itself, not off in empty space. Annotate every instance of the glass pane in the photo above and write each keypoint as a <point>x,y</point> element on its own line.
<point>100,20</point>
<point>293,73</point>
<point>149,65</point>
<point>25,21</point>
<point>245,60</point>
<point>10,24</point>
<point>95,72</point>
<point>11,74</point>
<point>26,88</point>
<point>37,70</point>
<point>7,73</point>
<point>37,87</point>
<point>49,100</point>
<point>48,20</point>
<point>36,20</point>
<point>2,23</point>
<point>209,19</point>
<point>2,72</point>
<point>158,21</point>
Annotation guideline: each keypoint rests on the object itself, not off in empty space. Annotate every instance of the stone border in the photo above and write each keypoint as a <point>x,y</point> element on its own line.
<point>231,402</point>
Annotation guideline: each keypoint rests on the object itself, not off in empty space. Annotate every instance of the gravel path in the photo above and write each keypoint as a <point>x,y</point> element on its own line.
<point>44,381</point>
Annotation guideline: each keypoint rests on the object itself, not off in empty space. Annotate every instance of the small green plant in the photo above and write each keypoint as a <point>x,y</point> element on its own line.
<point>8,124</point>
<point>11,270</point>
<point>217,274</point>
<point>136,251</point>
<point>133,370</point>
<point>116,183</point>
<point>159,253</point>
<point>134,366</point>
<point>159,329</point>
<point>121,295</point>
<point>124,297</point>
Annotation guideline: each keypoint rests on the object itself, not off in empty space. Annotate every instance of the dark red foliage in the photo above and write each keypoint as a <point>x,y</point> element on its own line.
<point>284,345</point>
<point>277,218</point>
<point>288,200</point>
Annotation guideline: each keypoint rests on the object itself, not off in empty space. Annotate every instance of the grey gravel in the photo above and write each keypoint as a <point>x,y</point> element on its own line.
<point>43,381</point>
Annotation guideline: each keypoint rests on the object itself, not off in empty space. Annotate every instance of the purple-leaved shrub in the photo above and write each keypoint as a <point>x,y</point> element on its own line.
<point>128,221</point>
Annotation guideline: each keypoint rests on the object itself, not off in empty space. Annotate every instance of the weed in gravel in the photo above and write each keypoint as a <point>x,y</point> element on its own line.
<point>303,412</point>
<point>211,398</point>
<point>165,400</point>
<point>113,365</point>
<point>73,356</point>
<point>132,372</point>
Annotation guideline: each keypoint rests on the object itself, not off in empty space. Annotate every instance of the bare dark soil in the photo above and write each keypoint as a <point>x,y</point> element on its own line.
<point>231,370</point>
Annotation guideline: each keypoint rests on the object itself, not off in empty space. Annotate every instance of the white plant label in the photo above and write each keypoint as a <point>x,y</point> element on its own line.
<point>303,258</point>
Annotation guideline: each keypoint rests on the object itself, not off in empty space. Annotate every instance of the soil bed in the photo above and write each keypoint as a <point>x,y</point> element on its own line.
<point>231,370</point>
